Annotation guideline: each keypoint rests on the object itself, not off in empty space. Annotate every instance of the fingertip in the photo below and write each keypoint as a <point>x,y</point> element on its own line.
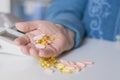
<point>20,27</point>
<point>47,52</point>
<point>25,26</point>
<point>34,53</point>
<point>42,53</point>
<point>25,50</point>
<point>17,41</point>
<point>23,40</point>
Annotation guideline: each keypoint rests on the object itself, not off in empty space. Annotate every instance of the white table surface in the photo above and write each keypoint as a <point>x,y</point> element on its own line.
<point>105,54</point>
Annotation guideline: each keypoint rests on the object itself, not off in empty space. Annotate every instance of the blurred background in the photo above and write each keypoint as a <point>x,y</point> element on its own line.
<point>26,9</point>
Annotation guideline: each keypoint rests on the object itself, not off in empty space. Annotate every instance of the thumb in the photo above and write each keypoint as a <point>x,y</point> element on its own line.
<point>25,26</point>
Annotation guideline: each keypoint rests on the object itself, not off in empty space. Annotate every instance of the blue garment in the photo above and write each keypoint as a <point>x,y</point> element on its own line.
<point>93,18</point>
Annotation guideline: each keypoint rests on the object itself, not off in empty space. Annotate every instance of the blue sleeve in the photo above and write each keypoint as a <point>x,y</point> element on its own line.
<point>68,13</point>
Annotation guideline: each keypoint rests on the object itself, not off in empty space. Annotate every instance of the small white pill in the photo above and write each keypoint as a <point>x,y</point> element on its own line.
<point>81,65</point>
<point>71,62</point>
<point>39,46</point>
<point>49,70</point>
<point>77,69</point>
<point>39,37</point>
<point>64,62</point>
<point>88,62</point>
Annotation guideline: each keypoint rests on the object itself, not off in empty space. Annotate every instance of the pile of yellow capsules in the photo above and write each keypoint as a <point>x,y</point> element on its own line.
<point>50,64</point>
<point>43,40</point>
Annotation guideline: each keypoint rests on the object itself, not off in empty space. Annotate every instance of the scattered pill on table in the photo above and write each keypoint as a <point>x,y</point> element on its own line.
<point>81,65</point>
<point>49,70</point>
<point>88,63</point>
<point>49,63</point>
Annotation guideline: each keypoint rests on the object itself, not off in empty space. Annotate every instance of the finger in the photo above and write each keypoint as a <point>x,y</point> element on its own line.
<point>30,36</point>
<point>34,52</point>
<point>23,40</point>
<point>26,26</point>
<point>47,52</point>
<point>26,49</point>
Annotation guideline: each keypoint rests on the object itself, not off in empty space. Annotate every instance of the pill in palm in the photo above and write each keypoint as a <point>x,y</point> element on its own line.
<point>39,37</point>
<point>43,40</point>
<point>39,46</point>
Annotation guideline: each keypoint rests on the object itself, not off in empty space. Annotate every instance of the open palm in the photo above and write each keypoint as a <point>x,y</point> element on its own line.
<point>64,38</point>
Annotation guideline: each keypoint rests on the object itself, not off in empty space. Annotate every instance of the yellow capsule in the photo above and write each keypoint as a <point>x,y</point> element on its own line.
<point>45,37</point>
<point>51,38</point>
<point>54,65</point>
<point>53,61</point>
<point>48,65</point>
<point>42,64</point>
<point>66,70</point>
<point>44,43</point>
<point>41,60</point>
<point>39,41</point>
<point>45,59</point>
<point>52,58</point>
<point>59,66</point>
<point>45,67</point>
<point>45,62</point>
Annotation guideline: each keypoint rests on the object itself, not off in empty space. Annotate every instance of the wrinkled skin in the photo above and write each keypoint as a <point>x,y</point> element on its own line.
<point>64,38</point>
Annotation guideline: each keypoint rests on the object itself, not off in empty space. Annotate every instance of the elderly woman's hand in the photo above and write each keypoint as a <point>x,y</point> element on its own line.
<point>64,38</point>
